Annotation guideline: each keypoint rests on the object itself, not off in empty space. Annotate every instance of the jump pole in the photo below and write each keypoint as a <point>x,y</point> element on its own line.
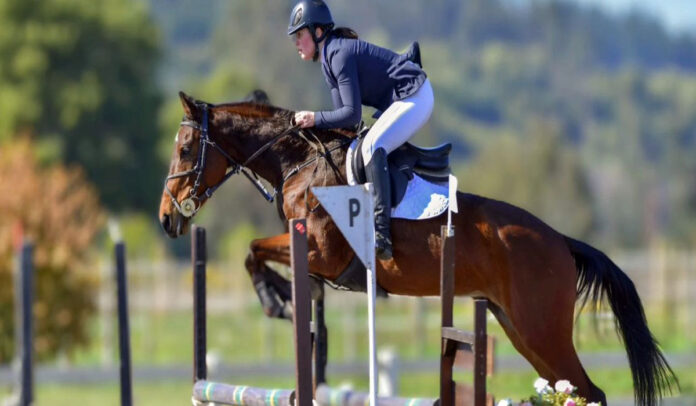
<point>24,326</point>
<point>371,296</point>
<point>123,326</point>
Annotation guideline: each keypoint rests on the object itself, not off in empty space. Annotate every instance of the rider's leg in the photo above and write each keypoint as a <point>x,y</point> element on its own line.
<point>377,172</point>
<point>393,128</point>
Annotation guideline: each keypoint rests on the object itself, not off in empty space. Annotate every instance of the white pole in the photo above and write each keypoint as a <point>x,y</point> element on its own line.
<point>371,297</point>
<point>453,205</point>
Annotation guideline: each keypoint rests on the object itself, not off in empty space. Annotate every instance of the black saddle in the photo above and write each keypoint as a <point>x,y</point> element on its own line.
<point>431,164</point>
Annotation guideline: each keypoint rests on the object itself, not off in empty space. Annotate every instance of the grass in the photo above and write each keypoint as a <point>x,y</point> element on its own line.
<point>248,337</point>
<point>615,382</point>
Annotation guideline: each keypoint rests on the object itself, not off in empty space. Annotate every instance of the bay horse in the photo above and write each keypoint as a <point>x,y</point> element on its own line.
<point>531,274</point>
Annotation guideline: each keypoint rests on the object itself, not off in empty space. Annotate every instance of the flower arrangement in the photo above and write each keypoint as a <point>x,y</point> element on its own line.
<point>562,394</point>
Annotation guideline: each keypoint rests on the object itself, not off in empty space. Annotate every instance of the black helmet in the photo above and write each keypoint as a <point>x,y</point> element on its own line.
<point>310,14</point>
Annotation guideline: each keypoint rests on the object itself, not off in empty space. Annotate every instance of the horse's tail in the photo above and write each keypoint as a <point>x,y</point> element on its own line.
<point>598,277</point>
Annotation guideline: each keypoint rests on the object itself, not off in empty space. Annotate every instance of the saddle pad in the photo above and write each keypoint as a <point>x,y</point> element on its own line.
<point>423,199</point>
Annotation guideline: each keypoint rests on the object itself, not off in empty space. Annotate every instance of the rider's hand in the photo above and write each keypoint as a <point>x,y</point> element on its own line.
<point>304,119</point>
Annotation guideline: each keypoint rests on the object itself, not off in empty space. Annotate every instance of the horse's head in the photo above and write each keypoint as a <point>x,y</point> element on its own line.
<point>196,168</point>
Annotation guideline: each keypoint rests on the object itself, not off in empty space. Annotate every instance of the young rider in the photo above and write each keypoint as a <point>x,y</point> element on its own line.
<point>358,73</point>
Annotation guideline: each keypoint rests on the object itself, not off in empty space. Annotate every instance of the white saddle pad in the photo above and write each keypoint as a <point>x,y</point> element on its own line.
<point>423,199</point>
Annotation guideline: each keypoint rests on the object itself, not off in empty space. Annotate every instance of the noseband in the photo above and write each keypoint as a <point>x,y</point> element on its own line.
<point>190,206</point>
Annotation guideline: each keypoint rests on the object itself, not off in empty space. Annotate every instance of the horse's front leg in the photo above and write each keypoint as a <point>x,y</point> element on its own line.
<point>273,290</point>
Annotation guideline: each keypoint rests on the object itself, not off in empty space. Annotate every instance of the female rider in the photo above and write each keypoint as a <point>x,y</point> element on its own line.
<point>358,73</point>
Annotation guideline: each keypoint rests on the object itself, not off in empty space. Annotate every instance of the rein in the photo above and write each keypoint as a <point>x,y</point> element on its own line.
<point>190,206</point>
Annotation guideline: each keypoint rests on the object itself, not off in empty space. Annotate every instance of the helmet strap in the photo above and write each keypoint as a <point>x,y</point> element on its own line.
<point>325,32</point>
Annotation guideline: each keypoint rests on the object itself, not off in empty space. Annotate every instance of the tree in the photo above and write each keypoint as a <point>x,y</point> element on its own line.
<point>537,171</point>
<point>80,75</point>
<point>59,211</point>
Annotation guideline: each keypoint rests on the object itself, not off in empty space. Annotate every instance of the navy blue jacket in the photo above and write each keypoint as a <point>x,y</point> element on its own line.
<point>358,73</point>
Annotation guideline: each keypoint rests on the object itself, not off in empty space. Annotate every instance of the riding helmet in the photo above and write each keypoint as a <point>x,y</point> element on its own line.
<point>310,14</point>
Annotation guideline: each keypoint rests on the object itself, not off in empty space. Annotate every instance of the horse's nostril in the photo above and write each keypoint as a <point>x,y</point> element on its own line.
<point>165,222</point>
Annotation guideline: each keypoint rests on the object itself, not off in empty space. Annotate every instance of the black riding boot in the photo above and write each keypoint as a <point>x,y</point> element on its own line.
<point>377,172</point>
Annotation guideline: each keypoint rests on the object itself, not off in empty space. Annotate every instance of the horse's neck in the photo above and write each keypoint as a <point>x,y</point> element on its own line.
<point>320,159</point>
<point>243,137</point>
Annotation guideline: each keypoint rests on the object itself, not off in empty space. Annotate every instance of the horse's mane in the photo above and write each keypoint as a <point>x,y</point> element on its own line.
<point>251,109</point>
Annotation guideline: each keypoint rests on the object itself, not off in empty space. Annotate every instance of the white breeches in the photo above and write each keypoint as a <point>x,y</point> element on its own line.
<point>399,122</point>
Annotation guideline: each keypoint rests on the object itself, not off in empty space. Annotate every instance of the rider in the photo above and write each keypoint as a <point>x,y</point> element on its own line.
<point>357,73</point>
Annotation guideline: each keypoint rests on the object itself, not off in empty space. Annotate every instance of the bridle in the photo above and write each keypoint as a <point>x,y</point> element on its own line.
<point>190,206</point>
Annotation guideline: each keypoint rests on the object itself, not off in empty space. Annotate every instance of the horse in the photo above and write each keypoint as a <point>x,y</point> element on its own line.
<point>531,274</point>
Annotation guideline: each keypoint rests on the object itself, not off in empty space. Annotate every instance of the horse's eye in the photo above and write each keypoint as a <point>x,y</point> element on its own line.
<point>185,150</point>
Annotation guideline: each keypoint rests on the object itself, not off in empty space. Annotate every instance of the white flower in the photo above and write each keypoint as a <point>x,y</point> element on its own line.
<point>564,386</point>
<point>505,402</point>
<point>542,386</point>
<point>569,402</point>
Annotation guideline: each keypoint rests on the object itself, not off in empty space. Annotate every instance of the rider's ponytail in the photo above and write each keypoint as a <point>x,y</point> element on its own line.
<point>344,32</point>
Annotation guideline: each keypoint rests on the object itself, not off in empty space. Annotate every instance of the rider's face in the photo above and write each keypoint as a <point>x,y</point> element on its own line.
<point>304,44</point>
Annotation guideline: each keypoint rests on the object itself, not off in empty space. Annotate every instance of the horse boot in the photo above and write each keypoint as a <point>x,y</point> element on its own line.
<point>377,172</point>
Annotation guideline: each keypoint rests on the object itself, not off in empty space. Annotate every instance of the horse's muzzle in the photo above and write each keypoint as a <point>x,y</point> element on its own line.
<point>173,225</point>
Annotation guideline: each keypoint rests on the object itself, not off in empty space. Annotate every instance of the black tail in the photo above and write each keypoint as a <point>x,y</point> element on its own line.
<point>598,277</point>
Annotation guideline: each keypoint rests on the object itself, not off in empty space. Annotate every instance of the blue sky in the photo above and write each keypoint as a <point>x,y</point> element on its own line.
<point>677,15</point>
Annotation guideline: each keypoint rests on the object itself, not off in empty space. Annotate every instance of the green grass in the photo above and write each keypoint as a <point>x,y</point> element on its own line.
<point>616,383</point>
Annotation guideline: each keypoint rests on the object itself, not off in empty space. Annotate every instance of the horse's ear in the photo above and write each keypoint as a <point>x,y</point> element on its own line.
<point>189,104</point>
<point>258,96</point>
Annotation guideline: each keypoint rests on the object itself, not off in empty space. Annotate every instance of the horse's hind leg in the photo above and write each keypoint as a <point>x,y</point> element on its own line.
<point>542,330</point>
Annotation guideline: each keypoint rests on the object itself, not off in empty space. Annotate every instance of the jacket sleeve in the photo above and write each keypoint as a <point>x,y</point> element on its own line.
<point>336,98</point>
<point>348,110</point>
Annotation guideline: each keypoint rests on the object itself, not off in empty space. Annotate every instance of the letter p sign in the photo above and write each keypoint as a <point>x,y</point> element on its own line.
<point>353,209</point>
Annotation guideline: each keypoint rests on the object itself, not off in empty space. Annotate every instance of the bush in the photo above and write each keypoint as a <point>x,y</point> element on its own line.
<point>56,209</point>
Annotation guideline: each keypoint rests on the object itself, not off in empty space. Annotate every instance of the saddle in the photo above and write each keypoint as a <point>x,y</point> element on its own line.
<point>431,164</point>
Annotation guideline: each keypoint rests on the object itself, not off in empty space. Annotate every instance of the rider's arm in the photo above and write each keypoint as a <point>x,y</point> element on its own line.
<point>336,98</point>
<point>349,113</point>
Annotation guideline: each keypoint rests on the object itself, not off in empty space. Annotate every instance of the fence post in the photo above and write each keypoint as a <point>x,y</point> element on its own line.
<point>302,309</point>
<point>198,258</point>
<point>447,352</point>
<point>320,340</point>
<point>123,327</point>
<point>24,299</point>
